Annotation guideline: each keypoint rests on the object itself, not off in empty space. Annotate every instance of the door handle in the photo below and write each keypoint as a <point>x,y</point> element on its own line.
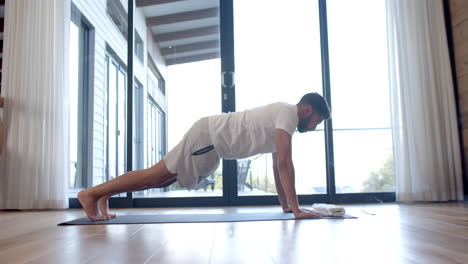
<point>223,79</point>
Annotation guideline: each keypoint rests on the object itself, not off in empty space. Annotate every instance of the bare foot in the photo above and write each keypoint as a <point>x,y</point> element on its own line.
<point>90,206</point>
<point>103,205</point>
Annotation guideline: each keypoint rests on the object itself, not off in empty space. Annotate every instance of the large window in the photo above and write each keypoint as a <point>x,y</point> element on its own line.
<point>183,83</point>
<point>362,135</point>
<point>202,58</point>
<point>78,85</point>
<point>280,64</point>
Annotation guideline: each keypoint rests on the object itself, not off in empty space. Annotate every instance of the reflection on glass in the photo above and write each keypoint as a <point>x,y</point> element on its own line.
<point>360,96</point>
<point>279,60</point>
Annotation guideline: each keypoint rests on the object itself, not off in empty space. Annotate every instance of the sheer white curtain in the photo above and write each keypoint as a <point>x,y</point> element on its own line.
<point>426,142</point>
<point>34,163</point>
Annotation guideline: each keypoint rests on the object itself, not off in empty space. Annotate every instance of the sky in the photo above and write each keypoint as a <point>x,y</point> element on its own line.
<point>277,58</point>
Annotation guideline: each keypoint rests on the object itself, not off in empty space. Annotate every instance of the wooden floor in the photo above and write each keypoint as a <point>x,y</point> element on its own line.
<point>388,233</point>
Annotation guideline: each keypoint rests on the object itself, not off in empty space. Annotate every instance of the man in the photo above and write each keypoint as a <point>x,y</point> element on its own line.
<point>238,135</point>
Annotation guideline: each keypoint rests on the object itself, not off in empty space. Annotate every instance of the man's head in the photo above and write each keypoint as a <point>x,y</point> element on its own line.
<point>312,109</point>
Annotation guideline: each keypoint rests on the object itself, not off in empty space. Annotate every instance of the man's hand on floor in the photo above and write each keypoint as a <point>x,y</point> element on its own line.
<point>306,213</point>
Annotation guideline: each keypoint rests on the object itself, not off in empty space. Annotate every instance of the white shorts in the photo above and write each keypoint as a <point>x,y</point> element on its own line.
<point>194,157</point>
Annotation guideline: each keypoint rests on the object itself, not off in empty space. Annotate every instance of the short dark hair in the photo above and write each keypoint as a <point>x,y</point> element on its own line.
<point>318,103</point>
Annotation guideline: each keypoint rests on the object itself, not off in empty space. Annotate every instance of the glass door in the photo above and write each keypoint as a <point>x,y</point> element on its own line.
<point>278,59</point>
<point>362,134</point>
<point>183,85</point>
<point>201,58</point>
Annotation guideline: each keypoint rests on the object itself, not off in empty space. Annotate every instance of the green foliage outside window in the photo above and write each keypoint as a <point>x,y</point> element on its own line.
<point>382,180</point>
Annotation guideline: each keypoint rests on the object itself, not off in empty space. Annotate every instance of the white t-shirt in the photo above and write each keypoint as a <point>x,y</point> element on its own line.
<point>243,134</point>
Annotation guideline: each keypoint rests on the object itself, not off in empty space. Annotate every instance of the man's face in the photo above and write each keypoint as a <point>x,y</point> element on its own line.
<point>309,122</point>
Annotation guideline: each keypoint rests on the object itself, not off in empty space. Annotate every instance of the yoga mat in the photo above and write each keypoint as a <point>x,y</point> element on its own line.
<point>194,218</point>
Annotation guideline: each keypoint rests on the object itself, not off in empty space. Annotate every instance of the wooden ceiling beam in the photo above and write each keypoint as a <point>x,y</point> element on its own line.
<point>194,58</point>
<point>191,33</point>
<point>182,17</point>
<point>143,3</point>
<point>212,44</point>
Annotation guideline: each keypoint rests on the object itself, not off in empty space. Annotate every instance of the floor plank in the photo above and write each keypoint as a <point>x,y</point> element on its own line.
<point>383,233</point>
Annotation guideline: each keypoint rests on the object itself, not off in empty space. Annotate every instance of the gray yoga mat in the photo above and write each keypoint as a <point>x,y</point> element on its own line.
<point>194,218</point>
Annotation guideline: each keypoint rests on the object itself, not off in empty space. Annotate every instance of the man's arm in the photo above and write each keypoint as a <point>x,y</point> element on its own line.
<point>286,167</point>
<point>286,174</point>
<point>279,187</point>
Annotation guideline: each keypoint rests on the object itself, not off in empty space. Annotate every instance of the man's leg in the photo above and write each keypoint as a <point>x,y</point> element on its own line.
<point>103,203</point>
<point>155,177</point>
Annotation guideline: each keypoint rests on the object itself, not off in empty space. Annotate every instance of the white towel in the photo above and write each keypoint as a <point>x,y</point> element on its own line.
<point>329,209</point>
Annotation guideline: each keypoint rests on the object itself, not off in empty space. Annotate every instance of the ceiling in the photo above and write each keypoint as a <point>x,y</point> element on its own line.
<point>186,30</point>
